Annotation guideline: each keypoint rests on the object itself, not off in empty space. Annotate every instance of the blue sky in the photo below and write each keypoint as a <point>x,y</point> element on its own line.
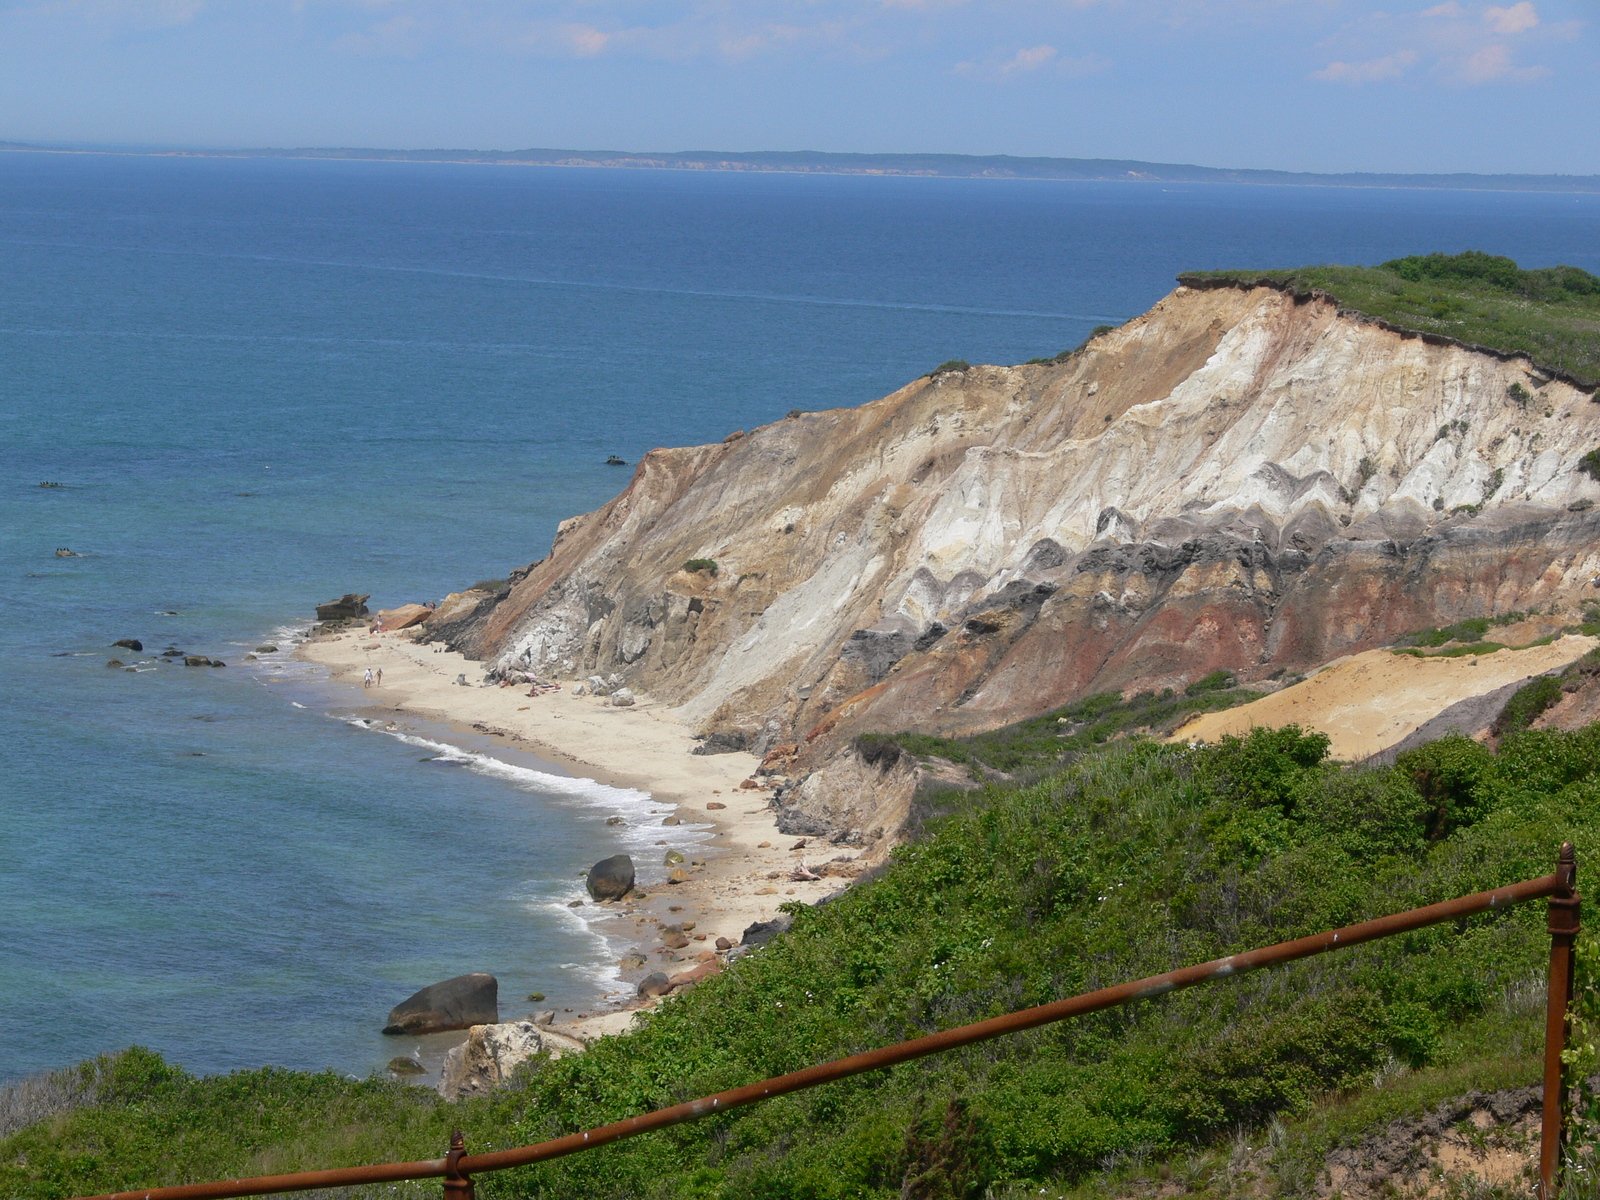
<point>1335,85</point>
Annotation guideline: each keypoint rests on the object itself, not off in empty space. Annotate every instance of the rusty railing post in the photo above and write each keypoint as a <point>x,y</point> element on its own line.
<point>1563,925</point>
<point>457,1186</point>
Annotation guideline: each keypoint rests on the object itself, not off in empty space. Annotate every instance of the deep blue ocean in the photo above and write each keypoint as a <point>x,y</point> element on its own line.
<point>261,384</point>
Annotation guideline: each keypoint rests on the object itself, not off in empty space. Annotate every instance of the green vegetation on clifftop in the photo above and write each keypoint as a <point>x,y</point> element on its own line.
<point>1551,315</point>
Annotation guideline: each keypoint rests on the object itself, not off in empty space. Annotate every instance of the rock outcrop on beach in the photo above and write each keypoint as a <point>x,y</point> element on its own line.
<point>347,607</point>
<point>1240,479</point>
<point>492,1053</point>
<point>457,1003</point>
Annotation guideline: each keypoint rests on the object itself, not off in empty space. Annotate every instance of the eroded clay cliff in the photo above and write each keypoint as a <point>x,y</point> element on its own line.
<point>1238,478</point>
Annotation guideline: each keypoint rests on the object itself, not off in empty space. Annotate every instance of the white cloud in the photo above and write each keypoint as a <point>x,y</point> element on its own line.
<point>1518,18</point>
<point>1029,60</point>
<point>1372,70</point>
<point>1492,64</point>
<point>399,36</point>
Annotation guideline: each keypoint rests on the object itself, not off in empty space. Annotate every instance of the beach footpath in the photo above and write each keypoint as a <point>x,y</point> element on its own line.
<point>737,874</point>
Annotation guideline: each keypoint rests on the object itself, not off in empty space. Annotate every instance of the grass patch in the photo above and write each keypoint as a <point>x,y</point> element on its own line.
<point>1458,650</point>
<point>1551,315</point>
<point>1046,741</point>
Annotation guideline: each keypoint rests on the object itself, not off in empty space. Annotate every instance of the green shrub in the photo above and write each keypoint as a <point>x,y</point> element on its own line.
<point>954,366</point>
<point>490,585</point>
<point>697,565</point>
<point>1106,868</point>
<point>1526,704</point>
<point>1470,630</point>
<point>1589,464</point>
<point>1215,682</point>
<point>1448,775</point>
<point>1519,395</point>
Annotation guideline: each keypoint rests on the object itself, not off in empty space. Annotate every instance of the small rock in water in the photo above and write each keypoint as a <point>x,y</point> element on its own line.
<point>406,1066</point>
<point>133,644</point>
<point>266,648</point>
<point>615,821</point>
<point>672,820</point>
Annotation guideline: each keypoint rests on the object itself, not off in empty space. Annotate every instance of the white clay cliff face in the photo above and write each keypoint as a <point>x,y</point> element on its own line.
<point>1232,480</point>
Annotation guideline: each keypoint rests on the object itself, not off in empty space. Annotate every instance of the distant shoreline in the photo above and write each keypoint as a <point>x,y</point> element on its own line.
<point>901,166</point>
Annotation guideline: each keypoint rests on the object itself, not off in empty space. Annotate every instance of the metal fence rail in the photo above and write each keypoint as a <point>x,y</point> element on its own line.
<point>457,1167</point>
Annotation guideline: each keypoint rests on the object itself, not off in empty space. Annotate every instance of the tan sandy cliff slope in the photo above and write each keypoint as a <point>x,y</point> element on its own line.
<point>1237,479</point>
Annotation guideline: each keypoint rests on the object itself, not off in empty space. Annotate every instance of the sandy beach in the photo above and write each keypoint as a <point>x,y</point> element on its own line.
<point>739,875</point>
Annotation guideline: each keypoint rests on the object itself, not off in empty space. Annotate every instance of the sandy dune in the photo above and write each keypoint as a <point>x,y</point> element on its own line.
<point>1367,702</point>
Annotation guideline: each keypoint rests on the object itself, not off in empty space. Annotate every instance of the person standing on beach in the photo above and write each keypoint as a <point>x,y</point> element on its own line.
<point>366,682</point>
<point>380,676</point>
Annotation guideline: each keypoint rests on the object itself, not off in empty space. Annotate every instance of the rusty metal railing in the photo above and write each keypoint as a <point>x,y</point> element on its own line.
<point>458,1167</point>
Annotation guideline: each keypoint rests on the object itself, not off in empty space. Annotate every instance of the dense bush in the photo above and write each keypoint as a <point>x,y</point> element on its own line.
<point>1133,859</point>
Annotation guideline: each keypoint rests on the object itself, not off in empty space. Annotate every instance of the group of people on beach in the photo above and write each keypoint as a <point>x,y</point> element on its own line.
<point>371,680</point>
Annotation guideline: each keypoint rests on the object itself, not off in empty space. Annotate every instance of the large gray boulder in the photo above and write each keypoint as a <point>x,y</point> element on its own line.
<point>345,607</point>
<point>611,878</point>
<point>457,1003</point>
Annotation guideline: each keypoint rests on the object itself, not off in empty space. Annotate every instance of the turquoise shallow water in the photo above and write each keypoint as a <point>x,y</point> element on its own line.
<point>262,384</point>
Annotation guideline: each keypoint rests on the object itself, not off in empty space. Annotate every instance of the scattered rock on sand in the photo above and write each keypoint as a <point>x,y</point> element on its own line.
<point>455,1003</point>
<point>762,932</point>
<point>673,938</point>
<point>723,943</point>
<point>714,805</point>
<point>654,984</point>
<point>623,698</point>
<point>672,858</point>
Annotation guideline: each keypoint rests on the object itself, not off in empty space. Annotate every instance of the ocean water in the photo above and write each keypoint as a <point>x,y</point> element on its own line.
<point>261,384</point>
